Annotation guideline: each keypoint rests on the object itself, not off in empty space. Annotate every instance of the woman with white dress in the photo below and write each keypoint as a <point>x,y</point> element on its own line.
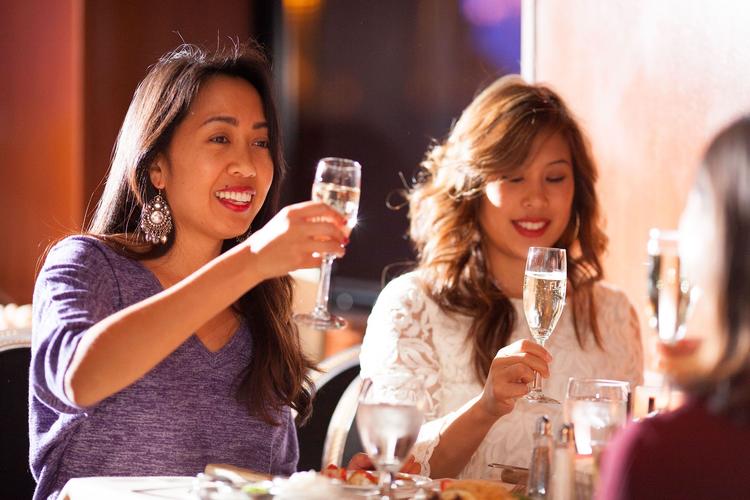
<point>514,172</point>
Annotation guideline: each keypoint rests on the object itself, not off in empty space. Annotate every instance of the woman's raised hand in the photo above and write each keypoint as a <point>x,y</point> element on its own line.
<point>510,373</point>
<point>297,236</point>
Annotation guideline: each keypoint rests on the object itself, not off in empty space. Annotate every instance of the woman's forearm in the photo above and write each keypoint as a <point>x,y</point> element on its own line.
<point>123,347</point>
<point>460,440</point>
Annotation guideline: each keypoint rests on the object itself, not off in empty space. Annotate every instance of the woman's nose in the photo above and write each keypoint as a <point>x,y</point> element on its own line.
<point>535,196</point>
<point>243,165</point>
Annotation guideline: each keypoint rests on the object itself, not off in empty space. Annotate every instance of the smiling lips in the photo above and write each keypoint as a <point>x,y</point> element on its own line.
<point>237,199</point>
<point>531,228</point>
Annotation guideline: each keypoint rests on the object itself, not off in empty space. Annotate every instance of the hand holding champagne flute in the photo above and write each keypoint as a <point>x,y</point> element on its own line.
<point>337,183</point>
<point>544,288</point>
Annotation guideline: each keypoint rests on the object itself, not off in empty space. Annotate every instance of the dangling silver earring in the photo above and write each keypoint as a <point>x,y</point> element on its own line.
<point>156,221</point>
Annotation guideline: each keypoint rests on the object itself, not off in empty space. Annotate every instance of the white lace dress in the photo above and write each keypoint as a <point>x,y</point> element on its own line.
<point>407,330</point>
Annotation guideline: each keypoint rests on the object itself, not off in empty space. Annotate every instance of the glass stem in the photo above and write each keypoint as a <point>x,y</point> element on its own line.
<point>536,387</point>
<point>324,285</point>
<point>384,484</point>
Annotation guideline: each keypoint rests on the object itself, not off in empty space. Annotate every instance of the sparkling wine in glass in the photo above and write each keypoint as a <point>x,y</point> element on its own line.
<point>669,291</point>
<point>544,287</point>
<point>337,183</point>
<point>389,416</point>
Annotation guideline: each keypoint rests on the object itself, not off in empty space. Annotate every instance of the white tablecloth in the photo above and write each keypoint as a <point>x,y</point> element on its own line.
<point>128,488</point>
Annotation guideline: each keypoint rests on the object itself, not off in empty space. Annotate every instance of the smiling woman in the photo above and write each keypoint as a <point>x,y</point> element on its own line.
<point>513,173</point>
<point>160,342</point>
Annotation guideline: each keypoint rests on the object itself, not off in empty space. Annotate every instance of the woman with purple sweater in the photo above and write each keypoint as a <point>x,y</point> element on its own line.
<point>163,338</point>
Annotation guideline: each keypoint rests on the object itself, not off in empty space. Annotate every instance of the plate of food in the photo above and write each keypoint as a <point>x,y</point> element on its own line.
<point>404,485</point>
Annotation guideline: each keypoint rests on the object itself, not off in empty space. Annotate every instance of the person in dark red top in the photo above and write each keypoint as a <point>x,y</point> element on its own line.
<point>702,450</point>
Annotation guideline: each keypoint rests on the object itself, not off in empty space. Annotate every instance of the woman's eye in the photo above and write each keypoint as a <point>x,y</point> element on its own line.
<point>262,143</point>
<point>220,139</point>
<point>556,179</point>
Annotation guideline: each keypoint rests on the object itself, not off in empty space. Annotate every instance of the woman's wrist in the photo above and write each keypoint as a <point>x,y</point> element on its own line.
<point>481,415</point>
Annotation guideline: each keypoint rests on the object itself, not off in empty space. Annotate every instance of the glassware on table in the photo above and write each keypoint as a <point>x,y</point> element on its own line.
<point>544,287</point>
<point>337,183</point>
<point>597,408</point>
<point>669,292</point>
<point>389,416</point>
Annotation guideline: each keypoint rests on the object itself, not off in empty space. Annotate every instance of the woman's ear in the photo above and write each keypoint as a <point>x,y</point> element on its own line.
<point>157,173</point>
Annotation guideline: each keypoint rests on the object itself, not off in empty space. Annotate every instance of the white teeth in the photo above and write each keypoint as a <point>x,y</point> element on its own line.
<point>531,226</point>
<point>239,197</point>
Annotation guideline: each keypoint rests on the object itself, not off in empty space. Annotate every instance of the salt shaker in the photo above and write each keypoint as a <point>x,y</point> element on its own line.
<point>563,465</point>
<point>541,460</point>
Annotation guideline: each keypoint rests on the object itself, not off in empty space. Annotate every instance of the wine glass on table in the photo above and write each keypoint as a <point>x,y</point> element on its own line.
<point>597,408</point>
<point>544,287</point>
<point>389,416</point>
<point>337,183</point>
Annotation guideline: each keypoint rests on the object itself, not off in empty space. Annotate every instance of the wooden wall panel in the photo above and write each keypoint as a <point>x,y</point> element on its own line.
<point>70,68</point>
<point>40,135</point>
<point>122,39</point>
<point>651,81</point>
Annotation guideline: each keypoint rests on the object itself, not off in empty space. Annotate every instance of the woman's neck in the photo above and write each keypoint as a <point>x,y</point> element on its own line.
<point>182,260</point>
<point>507,273</point>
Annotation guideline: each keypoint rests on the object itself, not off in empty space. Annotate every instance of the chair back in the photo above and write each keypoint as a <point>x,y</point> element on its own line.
<point>16,480</point>
<point>337,373</point>
<point>342,438</point>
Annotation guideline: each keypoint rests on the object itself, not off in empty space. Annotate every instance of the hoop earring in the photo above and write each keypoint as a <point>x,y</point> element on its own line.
<point>156,220</point>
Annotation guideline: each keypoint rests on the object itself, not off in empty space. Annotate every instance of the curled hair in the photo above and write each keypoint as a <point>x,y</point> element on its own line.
<point>278,374</point>
<point>493,137</point>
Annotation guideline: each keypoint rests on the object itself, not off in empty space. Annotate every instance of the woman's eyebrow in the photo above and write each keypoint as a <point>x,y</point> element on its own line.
<point>231,120</point>
<point>560,161</point>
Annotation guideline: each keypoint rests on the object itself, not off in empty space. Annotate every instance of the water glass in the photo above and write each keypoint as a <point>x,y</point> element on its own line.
<point>597,408</point>
<point>389,417</point>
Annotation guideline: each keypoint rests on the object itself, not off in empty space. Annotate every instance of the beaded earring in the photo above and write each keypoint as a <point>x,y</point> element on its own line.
<point>156,220</point>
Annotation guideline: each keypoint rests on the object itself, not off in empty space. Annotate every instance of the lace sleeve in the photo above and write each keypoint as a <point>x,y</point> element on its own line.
<point>399,337</point>
<point>622,332</point>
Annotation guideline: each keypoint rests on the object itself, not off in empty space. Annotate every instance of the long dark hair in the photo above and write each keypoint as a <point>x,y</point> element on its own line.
<point>493,137</point>
<point>278,374</point>
<point>725,177</point>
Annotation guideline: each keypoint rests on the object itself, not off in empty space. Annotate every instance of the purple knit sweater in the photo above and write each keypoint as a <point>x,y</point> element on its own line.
<point>180,416</point>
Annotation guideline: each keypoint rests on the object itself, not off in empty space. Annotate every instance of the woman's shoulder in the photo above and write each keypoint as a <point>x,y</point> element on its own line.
<point>610,297</point>
<point>80,247</point>
<point>605,290</point>
<point>403,287</point>
<point>86,254</point>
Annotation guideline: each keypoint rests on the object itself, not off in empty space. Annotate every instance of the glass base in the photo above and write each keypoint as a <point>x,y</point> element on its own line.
<point>538,397</point>
<point>329,322</point>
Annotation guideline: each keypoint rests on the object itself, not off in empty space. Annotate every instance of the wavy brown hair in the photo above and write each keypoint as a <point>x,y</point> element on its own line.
<point>278,373</point>
<point>492,138</point>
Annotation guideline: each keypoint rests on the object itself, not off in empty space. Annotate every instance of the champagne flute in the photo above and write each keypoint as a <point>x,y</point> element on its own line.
<point>669,291</point>
<point>670,295</point>
<point>544,287</point>
<point>389,416</point>
<point>337,182</point>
